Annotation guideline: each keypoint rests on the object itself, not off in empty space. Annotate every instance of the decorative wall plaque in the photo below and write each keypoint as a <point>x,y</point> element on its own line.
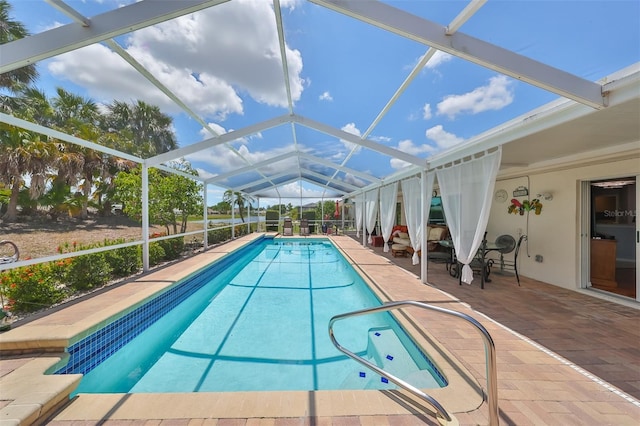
<point>521,191</point>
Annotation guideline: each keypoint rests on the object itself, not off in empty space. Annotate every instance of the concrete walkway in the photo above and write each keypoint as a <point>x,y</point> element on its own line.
<point>537,330</point>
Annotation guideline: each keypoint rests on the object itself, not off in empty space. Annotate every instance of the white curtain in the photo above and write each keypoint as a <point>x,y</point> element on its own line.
<point>359,207</point>
<point>388,201</point>
<point>371,211</point>
<point>466,191</point>
<point>411,202</point>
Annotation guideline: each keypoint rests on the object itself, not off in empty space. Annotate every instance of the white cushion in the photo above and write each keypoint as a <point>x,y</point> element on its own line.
<point>403,235</point>
<point>403,241</point>
<point>435,234</point>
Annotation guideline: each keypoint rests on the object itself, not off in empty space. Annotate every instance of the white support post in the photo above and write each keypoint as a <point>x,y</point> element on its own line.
<point>424,255</point>
<point>233,215</point>
<point>279,211</point>
<point>205,224</point>
<point>364,219</point>
<point>322,213</point>
<point>145,217</point>
<point>248,217</point>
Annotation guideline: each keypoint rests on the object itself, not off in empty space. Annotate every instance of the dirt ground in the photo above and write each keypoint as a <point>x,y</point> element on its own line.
<point>41,237</point>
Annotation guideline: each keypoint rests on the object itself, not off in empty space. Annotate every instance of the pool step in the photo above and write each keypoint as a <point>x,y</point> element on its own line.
<point>387,352</point>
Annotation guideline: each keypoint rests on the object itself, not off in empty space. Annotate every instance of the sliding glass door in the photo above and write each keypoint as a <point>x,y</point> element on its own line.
<point>611,236</point>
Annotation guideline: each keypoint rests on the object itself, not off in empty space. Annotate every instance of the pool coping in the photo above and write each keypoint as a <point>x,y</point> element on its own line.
<point>463,393</point>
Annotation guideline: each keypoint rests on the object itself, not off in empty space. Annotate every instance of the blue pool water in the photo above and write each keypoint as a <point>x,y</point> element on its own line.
<point>255,321</point>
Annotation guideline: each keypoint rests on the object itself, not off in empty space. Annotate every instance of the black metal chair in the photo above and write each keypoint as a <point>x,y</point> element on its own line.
<point>509,244</point>
<point>515,257</point>
<point>511,265</point>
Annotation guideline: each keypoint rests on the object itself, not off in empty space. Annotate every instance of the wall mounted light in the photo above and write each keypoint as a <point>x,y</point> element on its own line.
<point>547,196</point>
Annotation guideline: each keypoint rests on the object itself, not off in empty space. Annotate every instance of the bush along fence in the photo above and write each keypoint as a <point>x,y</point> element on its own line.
<point>31,288</point>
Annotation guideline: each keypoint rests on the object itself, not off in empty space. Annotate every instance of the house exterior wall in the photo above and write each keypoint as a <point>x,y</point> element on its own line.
<point>555,233</point>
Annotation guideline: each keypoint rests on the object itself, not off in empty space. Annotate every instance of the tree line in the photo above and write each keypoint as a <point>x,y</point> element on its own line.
<point>41,172</point>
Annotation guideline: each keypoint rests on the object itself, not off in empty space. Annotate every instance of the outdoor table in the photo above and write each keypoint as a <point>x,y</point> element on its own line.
<point>481,256</point>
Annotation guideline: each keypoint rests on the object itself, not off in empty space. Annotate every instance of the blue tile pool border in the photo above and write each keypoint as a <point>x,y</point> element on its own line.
<point>90,351</point>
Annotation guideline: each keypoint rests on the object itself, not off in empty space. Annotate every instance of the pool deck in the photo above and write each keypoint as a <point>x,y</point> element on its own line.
<point>563,357</point>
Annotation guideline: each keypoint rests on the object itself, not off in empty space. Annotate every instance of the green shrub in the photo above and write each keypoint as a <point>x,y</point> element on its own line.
<point>215,236</point>
<point>88,271</point>
<point>172,247</point>
<point>31,288</point>
<point>156,253</point>
<point>124,261</point>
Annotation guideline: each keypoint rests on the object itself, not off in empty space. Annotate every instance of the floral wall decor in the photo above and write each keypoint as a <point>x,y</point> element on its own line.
<point>517,207</point>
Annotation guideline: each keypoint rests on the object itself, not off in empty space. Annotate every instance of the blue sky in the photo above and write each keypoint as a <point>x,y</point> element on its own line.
<point>224,62</point>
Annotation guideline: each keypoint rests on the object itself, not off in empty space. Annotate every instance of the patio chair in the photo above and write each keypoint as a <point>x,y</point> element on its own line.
<point>509,244</point>
<point>287,229</point>
<point>304,227</point>
<point>515,257</point>
<point>272,218</point>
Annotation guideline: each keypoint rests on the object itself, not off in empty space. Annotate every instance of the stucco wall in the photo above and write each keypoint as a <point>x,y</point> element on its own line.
<point>555,233</point>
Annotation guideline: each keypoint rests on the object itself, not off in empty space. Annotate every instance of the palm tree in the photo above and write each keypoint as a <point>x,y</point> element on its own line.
<point>23,153</point>
<point>79,116</point>
<point>28,103</point>
<point>149,128</point>
<point>11,30</point>
<point>236,198</point>
<point>73,110</point>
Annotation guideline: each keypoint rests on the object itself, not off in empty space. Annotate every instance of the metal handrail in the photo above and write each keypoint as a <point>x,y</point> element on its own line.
<point>489,345</point>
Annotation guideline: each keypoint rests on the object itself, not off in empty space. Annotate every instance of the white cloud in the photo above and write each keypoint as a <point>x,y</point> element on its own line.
<point>494,96</point>
<point>291,193</point>
<point>204,173</point>
<point>442,138</point>
<point>209,59</point>
<point>224,159</point>
<point>326,96</point>
<point>409,147</point>
<point>215,127</point>
<point>381,139</point>
<point>351,128</point>
<point>220,130</point>
<point>398,164</point>
<point>426,112</point>
<point>438,59</point>
<point>351,179</point>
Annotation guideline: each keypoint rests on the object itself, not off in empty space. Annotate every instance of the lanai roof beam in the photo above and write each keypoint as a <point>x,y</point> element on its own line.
<point>333,165</point>
<point>122,20</point>
<point>253,167</point>
<point>471,49</point>
<point>350,137</point>
<point>218,140</point>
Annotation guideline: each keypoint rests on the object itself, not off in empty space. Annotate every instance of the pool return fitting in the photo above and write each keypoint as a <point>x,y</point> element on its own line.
<point>441,414</point>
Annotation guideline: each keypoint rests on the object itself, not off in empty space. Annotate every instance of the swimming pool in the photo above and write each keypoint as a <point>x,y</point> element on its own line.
<point>275,295</point>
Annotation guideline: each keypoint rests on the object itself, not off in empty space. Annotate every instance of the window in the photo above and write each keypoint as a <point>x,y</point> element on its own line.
<point>436,212</point>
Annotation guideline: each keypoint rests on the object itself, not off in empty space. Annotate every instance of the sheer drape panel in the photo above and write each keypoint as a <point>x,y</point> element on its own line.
<point>359,213</point>
<point>427,195</point>
<point>371,211</point>
<point>466,191</point>
<point>388,200</point>
<point>412,200</point>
